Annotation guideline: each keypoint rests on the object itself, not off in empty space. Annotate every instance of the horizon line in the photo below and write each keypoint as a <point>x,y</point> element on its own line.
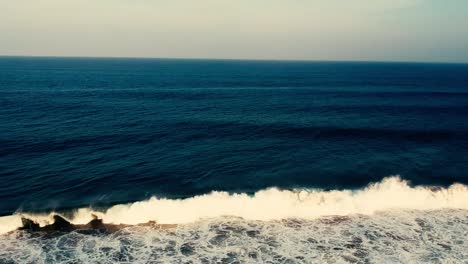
<point>231,59</point>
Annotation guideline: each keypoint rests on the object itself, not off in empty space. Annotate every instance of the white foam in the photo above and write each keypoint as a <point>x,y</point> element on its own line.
<point>396,236</point>
<point>269,204</point>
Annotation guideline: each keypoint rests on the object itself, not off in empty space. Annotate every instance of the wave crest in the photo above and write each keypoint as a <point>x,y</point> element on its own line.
<point>270,204</point>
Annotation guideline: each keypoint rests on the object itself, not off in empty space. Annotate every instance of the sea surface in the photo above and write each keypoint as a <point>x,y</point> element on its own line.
<point>245,161</point>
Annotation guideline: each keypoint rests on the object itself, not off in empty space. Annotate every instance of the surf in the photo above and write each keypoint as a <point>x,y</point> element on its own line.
<point>392,193</point>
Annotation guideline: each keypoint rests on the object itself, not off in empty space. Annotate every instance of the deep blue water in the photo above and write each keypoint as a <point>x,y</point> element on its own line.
<point>81,131</point>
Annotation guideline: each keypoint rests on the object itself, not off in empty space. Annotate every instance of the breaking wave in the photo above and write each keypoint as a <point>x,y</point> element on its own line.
<point>270,204</point>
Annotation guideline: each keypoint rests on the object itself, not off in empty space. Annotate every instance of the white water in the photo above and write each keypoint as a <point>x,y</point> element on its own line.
<point>395,236</point>
<point>271,204</point>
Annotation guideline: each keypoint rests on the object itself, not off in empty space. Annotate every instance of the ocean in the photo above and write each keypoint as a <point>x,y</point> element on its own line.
<point>233,161</point>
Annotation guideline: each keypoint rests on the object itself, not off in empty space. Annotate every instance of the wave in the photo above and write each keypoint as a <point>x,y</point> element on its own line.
<point>237,130</point>
<point>289,131</point>
<point>270,204</point>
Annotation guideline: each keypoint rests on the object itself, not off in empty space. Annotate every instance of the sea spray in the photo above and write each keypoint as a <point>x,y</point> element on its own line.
<point>270,204</point>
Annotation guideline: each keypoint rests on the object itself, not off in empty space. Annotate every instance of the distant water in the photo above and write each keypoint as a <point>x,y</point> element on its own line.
<point>101,134</point>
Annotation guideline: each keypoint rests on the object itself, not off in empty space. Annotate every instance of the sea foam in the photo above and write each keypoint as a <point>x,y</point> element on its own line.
<point>270,204</point>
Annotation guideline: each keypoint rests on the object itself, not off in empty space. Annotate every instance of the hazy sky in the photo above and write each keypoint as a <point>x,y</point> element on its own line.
<point>405,30</point>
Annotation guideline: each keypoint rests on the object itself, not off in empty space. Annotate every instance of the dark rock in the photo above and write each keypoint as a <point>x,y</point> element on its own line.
<point>62,225</point>
<point>96,224</point>
<point>29,225</point>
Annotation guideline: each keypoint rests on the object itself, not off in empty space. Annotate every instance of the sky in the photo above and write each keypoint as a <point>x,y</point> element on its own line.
<point>368,30</point>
